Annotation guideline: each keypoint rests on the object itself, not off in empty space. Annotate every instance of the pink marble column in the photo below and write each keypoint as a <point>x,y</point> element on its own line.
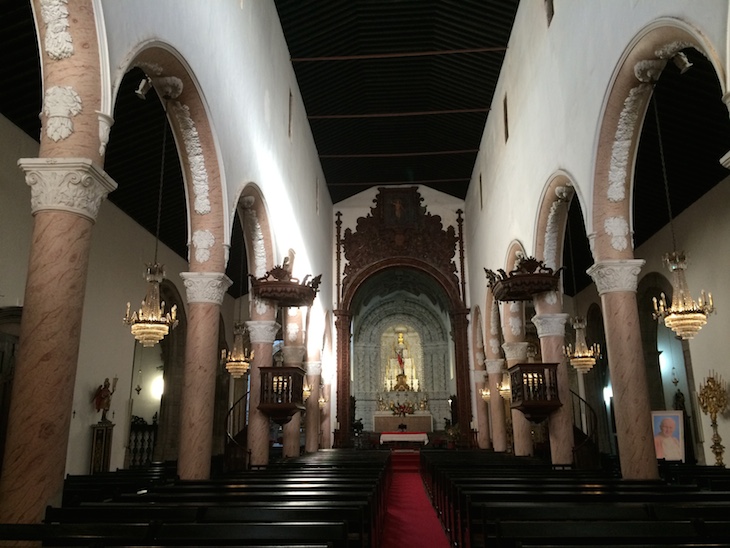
<point>293,356</point>
<point>65,197</point>
<point>262,334</point>
<point>495,371</point>
<point>516,352</point>
<point>205,291</point>
<point>482,417</point>
<point>616,281</point>
<point>551,331</point>
<point>312,417</point>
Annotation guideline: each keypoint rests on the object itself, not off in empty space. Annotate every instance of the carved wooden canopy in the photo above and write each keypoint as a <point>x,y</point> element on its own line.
<point>399,226</point>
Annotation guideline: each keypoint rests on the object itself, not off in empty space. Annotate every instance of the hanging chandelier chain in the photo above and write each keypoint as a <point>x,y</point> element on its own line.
<point>664,172</point>
<point>162,178</point>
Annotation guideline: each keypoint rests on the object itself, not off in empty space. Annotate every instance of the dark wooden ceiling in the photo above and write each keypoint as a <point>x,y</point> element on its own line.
<point>396,92</point>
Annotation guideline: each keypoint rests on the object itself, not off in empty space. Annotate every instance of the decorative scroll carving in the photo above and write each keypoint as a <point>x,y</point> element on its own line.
<point>203,241</point>
<point>196,158</point>
<point>58,42</point>
<point>205,287</point>
<point>61,103</point>
<point>616,275</point>
<point>399,226</point>
<point>66,184</point>
<point>528,278</point>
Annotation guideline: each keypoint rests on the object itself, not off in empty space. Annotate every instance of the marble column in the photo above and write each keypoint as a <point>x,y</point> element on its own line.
<point>66,194</point>
<point>495,371</point>
<point>480,383</point>
<point>516,352</point>
<point>312,417</point>
<point>616,281</point>
<point>205,291</point>
<point>293,356</point>
<point>551,331</point>
<point>262,334</point>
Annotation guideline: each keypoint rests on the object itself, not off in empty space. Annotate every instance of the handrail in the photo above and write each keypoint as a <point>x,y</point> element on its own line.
<point>236,418</point>
<point>585,419</point>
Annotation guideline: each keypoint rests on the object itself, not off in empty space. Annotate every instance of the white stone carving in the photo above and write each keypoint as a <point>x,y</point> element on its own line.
<point>551,297</point>
<point>105,125</point>
<point>256,236</point>
<point>196,159</point>
<point>261,306</point>
<point>671,49</point>
<point>150,68</point>
<point>618,229</point>
<point>616,275</point>
<point>550,325</point>
<point>292,331</point>
<point>553,225</point>
<point>203,241</point>
<point>514,306</point>
<point>495,367</point>
<point>58,41</point>
<point>169,87</point>
<point>622,144</point>
<point>515,325</point>
<point>648,71</point>
<point>75,185</point>
<point>479,358</point>
<point>494,318</point>
<point>515,350</point>
<point>313,368</point>
<point>262,331</point>
<point>205,287</point>
<point>61,103</point>
<point>494,346</point>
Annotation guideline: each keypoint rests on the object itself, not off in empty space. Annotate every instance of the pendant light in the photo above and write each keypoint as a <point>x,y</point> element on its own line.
<point>582,357</point>
<point>150,324</point>
<point>685,316</point>
<point>239,358</point>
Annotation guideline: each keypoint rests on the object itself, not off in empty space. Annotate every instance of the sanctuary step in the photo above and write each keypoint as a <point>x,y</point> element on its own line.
<point>405,460</point>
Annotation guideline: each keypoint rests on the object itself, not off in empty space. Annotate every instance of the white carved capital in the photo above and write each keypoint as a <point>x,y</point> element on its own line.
<point>313,368</point>
<point>75,185</point>
<point>550,325</point>
<point>262,331</point>
<point>293,355</point>
<point>495,367</point>
<point>515,350</point>
<point>205,287</point>
<point>616,275</point>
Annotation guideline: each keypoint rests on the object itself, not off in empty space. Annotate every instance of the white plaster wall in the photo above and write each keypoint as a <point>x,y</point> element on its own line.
<point>556,81</point>
<point>15,219</point>
<point>703,231</point>
<point>237,53</point>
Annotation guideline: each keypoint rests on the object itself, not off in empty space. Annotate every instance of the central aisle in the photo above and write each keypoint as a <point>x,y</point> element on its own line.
<point>410,518</point>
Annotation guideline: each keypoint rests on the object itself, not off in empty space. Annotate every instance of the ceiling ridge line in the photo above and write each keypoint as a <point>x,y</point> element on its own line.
<point>397,114</point>
<point>397,55</point>
<point>409,182</point>
<point>402,154</point>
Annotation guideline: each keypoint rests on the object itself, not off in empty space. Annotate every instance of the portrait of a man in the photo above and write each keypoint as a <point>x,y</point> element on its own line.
<point>668,435</point>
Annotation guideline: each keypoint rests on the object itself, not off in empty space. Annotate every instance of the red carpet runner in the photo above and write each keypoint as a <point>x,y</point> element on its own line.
<point>410,519</point>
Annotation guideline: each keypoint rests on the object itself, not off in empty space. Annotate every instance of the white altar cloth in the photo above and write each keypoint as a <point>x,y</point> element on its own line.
<point>418,437</point>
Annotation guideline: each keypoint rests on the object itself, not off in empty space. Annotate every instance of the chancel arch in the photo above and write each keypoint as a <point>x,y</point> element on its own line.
<point>401,348</point>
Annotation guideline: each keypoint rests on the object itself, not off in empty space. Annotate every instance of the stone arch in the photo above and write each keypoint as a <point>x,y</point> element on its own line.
<point>187,113</point>
<point>624,109</point>
<point>481,381</point>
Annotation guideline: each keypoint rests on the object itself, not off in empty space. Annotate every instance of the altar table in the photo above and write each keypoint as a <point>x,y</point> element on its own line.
<point>385,421</point>
<point>412,437</point>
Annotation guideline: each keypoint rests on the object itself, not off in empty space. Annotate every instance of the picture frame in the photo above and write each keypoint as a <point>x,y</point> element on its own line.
<point>668,430</point>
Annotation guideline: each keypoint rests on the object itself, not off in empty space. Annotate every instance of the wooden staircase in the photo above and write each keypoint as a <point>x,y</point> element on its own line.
<point>236,450</point>
<point>586,454</point>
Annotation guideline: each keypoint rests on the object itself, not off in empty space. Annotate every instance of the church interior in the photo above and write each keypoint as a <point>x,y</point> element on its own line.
<point>367,273</point>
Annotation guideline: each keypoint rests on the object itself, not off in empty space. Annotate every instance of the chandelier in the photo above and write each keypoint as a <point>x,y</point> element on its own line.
<point>150,324</point>
<point>582,357</point>
<point>239,358</point>
<point>685,316</point>
<point>486,394</point>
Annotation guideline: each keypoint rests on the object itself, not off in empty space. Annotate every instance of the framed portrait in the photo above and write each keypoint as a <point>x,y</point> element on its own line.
<point>668,429</point>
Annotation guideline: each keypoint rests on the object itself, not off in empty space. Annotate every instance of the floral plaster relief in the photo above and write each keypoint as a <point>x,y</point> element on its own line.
<point>196,160</point>
<point>618,229</point>
<point>292,331</point>
<point>60,105</point>
<point>515,325</point>
<point>58,41</point>
<point>203,241</point>
<point>260,306</point>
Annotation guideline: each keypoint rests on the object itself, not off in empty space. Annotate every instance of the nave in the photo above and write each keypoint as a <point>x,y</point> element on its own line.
<point>383,498</point>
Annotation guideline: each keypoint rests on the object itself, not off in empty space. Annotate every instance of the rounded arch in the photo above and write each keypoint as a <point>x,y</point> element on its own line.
<point>627,99</point>
<point>188,116</point>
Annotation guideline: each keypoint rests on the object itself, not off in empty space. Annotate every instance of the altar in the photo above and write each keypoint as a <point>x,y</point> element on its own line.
<point>386,421</point>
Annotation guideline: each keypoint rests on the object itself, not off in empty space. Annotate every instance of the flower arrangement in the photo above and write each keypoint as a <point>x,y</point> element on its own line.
<point>402,409</point>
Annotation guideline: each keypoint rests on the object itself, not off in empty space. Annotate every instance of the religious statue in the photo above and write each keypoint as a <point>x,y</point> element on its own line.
<point>402,366</point>
<point>103,398</point>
